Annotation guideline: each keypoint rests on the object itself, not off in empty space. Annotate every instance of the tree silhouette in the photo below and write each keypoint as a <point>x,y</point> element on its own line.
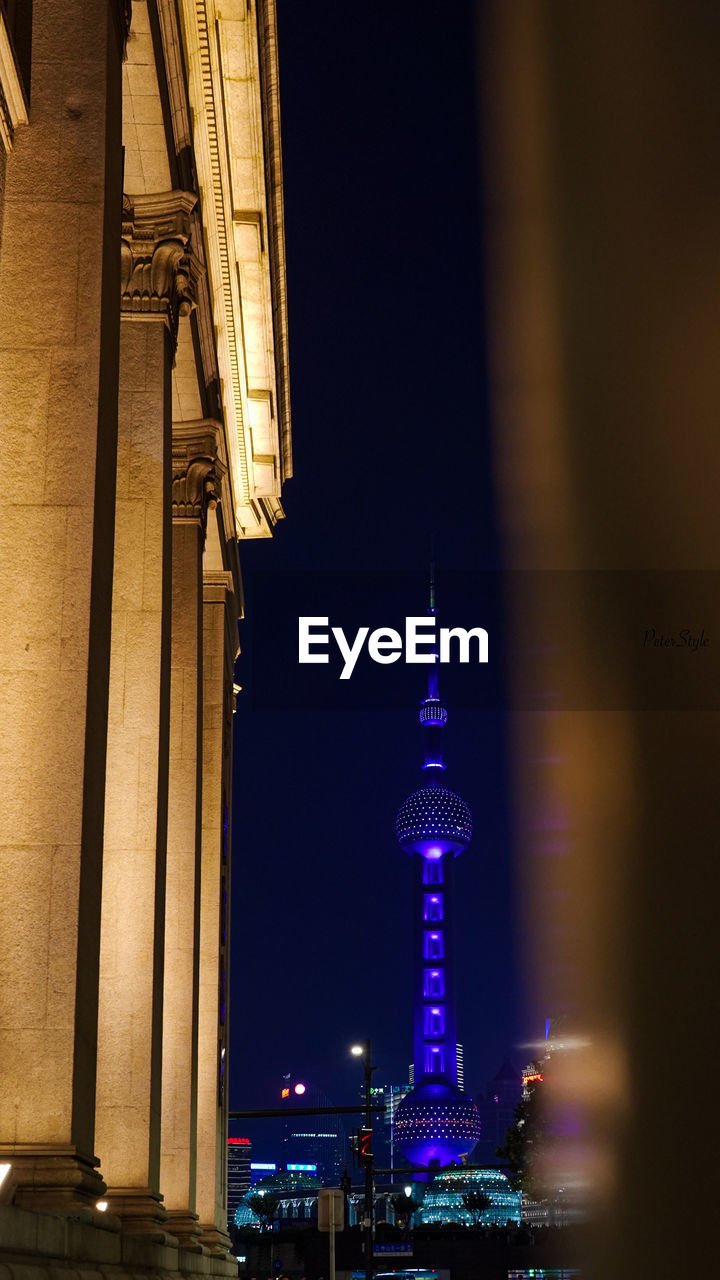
<point>404,1207</point>
<point>476,1202</point>
<point>264,1207</point>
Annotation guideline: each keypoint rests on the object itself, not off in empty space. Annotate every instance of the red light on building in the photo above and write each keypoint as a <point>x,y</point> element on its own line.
<point>239,1142</point>
<point>530,1079</point>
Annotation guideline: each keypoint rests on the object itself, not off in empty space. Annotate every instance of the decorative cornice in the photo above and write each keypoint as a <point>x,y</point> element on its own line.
<point>158,272</point>
<point>269,83</point>
<point>213,168</point>
<point>182,133</point>
<point>171,40</point>
<point>227,147</point>
<point>197,469</point>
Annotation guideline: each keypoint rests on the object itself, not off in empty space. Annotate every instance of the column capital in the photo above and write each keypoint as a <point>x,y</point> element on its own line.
<point>197,469</point>
<point>159,271</point>
<point>219,588</point>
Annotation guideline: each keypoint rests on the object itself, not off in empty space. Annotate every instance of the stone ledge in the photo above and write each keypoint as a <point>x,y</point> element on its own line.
<point>34,1245</point>
<point>206,1264</point>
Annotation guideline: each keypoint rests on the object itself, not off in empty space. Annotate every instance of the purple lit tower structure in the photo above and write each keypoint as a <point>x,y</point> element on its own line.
<point>435,1124</point>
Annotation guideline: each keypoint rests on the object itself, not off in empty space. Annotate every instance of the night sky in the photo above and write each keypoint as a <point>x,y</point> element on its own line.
<point>391,445</point>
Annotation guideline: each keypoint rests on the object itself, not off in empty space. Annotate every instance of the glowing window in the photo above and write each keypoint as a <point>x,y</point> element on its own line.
<point>434,1062</point>
<point>432,872</point>
<point>434,1022</point>
<point>432,907</point>
<point>433,983</point>
<point>434,946</point>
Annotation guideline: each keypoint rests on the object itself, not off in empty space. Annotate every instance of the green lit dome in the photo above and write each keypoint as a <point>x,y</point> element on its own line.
<point>244,1216</point>
<point>285,1181</point>
<point>443,1202</point>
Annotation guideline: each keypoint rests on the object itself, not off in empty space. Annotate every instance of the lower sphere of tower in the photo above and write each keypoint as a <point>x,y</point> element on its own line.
<point>436,1123</point>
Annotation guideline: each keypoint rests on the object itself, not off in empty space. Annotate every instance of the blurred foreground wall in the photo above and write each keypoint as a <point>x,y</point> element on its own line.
<point>600,130</point>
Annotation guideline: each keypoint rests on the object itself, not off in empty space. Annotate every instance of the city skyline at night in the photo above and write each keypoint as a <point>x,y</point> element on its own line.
<point>319,787</point>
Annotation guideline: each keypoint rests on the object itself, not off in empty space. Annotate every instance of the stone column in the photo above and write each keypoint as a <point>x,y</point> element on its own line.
<point>196,469</point>
<point>59,337</point>
<point>156,278</point>
<point>220,648</point>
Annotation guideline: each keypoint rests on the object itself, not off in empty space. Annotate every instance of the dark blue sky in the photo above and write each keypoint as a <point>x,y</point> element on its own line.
<point>391,444</point>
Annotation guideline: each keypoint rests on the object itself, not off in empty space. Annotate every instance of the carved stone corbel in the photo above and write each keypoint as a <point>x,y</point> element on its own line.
<point>197,470</point>
<point>159,271</point>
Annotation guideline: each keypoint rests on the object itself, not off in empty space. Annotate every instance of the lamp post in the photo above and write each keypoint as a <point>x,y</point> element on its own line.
<point>366,1054</point>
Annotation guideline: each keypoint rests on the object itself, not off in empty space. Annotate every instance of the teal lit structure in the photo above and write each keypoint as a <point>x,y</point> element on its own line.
<point>296,1190</point>
<point>444,1199</point>
<point>436,1123</point>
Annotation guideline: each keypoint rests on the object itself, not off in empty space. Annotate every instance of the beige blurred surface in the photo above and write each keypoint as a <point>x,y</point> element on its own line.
<point>600,128</point>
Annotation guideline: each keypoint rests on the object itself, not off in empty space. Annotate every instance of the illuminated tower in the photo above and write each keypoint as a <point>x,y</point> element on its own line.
<point>436,1123</point>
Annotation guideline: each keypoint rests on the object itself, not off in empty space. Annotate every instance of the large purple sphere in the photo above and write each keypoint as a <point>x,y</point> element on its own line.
<point>436,1123</point>
<point>433,821</point>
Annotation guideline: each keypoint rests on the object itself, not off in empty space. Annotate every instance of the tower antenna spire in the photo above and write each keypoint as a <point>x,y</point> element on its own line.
<point>433,693</point>
<point>432,576</point>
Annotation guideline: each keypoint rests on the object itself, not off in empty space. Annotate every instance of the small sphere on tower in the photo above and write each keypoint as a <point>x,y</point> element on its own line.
<point>432,712</point>
<point>433,821</point>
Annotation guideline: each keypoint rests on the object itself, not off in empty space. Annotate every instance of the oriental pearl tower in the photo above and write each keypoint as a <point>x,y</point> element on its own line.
<point>435,1123</point>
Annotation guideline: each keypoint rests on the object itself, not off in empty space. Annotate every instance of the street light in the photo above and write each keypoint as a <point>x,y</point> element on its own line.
<point>365,1053</point>
<point>8,1184</point>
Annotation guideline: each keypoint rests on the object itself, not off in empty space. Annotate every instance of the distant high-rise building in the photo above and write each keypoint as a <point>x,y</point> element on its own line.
<point>384,1147</point>
<point>311,1140</point>
<point>238,1173</point>
<point>496,1105</point>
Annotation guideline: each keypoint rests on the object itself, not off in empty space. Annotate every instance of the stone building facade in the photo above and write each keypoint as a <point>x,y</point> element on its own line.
<point>144,419</point>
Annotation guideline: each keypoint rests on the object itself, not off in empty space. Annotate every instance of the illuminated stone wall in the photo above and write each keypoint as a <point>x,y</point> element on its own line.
<point>145,417</point>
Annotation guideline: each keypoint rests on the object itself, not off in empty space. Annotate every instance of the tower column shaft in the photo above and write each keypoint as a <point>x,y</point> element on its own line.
<point>131,957</point>
<point>220,647</point>
<point>435,1024</point>
<point>434,1123</point>
<point>182,916</point>
<point>195,469</point>
<point>156,279</point>
<point>59,336</point>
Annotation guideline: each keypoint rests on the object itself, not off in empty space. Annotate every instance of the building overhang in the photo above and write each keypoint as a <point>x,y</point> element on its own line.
<point>230,59</point>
